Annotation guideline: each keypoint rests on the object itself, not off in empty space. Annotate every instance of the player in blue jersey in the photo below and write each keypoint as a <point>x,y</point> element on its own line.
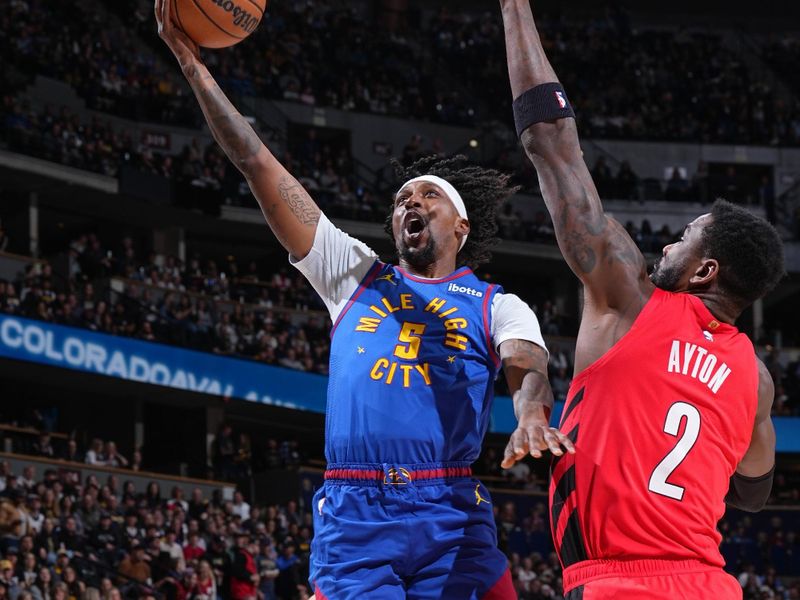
<point>414,354</point>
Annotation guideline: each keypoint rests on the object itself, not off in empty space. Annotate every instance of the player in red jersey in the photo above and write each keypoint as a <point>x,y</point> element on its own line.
<point>670,407</point>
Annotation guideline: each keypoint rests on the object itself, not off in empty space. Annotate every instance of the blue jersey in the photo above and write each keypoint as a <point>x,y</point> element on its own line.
<point>412,369</point>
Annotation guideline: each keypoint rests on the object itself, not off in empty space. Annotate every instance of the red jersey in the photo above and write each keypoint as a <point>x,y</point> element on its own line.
<point>660,423</point>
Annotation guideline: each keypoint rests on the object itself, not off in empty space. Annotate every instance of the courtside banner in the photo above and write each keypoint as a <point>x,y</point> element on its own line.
<point>159,364</point>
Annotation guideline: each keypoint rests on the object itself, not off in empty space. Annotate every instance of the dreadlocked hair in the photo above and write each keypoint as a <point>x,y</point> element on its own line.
<point>483,191</point>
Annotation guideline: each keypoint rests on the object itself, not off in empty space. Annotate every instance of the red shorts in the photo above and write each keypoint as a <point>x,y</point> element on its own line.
<point>651,579</point>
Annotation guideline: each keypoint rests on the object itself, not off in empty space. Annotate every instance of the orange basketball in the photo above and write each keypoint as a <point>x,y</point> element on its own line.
<point>219,23</point>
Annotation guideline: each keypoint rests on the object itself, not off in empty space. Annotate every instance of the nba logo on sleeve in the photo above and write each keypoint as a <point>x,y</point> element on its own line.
<point>562,101</point>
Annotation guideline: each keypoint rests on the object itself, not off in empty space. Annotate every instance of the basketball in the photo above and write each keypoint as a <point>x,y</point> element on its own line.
<point>219,23</point>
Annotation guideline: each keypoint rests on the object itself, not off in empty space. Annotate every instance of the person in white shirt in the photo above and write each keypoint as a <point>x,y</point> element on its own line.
<point>240,507</point>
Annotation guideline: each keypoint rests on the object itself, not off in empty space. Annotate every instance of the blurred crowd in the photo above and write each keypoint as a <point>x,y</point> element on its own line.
<point>67,536</point>
<point>671,85</point>
<point>626,83</point>
<point>102,58</point>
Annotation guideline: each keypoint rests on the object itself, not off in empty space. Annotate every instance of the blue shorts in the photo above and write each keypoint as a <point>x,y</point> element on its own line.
<point>406,532</point>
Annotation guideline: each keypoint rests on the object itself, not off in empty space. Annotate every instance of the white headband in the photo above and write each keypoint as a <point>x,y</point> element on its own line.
<point>452,194</point>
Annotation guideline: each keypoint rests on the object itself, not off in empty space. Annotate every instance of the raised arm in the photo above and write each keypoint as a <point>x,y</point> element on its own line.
<point>751,485</point>
<point>596,247</point>
<point>289,210</point>
<point>525,368</point>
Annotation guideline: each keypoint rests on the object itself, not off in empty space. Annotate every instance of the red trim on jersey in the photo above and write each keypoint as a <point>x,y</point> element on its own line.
<point>503,589</point>
<point>486,328</point>
<point>318,595</point>
<point>455,275</point>
<point>368,279</point>
<point>379,475</point>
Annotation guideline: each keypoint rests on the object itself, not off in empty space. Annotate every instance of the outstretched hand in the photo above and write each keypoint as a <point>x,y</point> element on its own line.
<point>534,438</point>
<point>184,49</point>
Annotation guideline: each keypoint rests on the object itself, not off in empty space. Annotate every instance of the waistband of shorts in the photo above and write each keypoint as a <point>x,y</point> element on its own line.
<point>396,473</point>
<point>589,570</point>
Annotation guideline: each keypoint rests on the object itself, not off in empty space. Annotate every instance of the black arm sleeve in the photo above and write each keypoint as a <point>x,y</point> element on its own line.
<point>750,493</point>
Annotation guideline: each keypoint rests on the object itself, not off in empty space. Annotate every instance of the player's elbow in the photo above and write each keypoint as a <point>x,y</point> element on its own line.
<point>252,165</point>
<point>551,139</point>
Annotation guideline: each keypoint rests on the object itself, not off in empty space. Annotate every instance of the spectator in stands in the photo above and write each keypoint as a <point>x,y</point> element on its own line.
<point>112,457</point>
<point>44,447</point>
<point>240,507</point>
<point>206,583</point>
<point>71,452</point>
<point>288,564</point>
<point>626,182</point>
<point>152,495</point>
<point>677,187</point>
<point>224,452</point>
<point>604,180</point>
<point>170,545</point>
<point>95,456</point>
<point>244,575</point>
<point>192,550</point>
<point>134,566</point>
<point>267,569</point>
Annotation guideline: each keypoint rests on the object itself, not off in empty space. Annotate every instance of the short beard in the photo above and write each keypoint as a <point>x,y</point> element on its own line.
<point>419,258</point>
<point>667,278</point>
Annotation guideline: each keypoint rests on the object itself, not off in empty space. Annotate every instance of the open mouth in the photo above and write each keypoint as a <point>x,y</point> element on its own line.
<point>413,225</point>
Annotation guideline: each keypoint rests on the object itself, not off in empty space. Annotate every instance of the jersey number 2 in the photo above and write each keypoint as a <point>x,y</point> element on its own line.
<point>676,413</point>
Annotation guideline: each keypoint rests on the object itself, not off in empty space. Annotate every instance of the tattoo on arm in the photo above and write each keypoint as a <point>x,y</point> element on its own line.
<point>232,132</point>
<point>298,200</point>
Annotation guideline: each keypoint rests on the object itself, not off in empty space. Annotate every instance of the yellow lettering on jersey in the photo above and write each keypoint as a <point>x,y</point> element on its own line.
<point>407,369</point>
<point>448,312</point>
<point>435,305</point>
<point>405,302</point>
<point>390,376</point>
<point>424,370</point>
<point>454,340</point>
<point>385,370</point>
<point>457,323</point>
<point>389,306</point>
<point>378,311</point>
<point>368,324</point>
<point>376,373</point>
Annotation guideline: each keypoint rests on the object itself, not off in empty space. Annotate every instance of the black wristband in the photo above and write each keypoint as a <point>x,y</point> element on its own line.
<point>545,102</point>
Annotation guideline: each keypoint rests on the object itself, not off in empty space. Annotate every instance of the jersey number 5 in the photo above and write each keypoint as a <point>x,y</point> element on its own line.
<point>410,336</point>
<point>676,413</point>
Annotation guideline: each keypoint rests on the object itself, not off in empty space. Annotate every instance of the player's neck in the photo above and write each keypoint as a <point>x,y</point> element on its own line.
<point>438,269</point>
<point>723,310</point>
